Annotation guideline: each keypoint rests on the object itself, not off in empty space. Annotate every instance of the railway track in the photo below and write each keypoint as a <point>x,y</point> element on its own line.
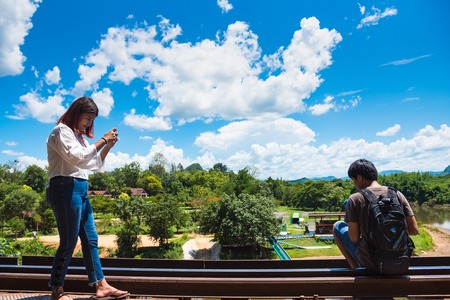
<point>159,278</point>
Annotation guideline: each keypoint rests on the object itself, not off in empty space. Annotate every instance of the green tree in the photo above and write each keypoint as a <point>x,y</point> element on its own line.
<point>19,203</point>
<point>129,210</point>
<point>35,177</point>
<point>151,184</point>
<point>158,165</point>
<point>11,173</point>
<point>164,215</point>
<point>244,220</point>
<point>102,181</point>
<point>246,183</point>
<point>102,204</point>
<point>17,226</point>
<point>128,175</point>
<point>220,167</point>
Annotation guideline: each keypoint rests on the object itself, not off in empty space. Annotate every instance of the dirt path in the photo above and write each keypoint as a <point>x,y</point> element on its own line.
<point>441,240</point>
<point>105,242</point>
<point>108,242</point>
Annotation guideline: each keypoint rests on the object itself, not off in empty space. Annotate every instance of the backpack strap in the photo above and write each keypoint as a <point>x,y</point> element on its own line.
<point>392,194</point>
<point>369,195</point>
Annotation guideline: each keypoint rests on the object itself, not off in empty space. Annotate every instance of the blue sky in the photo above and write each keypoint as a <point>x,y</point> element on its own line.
<point>289,88</point>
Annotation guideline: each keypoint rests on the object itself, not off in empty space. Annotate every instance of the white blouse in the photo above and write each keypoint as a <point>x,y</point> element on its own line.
<point>67,156</point>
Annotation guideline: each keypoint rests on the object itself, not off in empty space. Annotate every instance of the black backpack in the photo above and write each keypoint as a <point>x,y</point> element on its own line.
<point>390,246</point>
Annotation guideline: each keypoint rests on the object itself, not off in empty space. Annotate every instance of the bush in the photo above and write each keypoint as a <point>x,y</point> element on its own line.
<point>33,247</point>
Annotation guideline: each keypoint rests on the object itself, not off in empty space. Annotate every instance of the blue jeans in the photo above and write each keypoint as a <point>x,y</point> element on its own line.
<point>69,201</point>
<point>341,232</point>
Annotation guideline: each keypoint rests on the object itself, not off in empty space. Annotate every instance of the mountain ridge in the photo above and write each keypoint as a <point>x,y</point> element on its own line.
<point>383,173</point>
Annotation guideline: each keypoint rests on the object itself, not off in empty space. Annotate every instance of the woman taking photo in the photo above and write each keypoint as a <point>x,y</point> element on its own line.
<point>70,159</point>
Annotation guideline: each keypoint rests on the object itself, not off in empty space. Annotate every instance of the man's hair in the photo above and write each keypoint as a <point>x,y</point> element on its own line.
<point>364,168</point>
<point>78,107</point>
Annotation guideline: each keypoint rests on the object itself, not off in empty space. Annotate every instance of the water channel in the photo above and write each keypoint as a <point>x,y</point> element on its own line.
<point>439,217</point>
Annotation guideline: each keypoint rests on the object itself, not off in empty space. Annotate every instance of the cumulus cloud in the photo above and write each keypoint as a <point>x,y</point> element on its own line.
<point>143,122</point>
<point>372,19</point>
<point>45,110</point>
<point>244,134</point>
<point>330,103</point>
<point>292,159</point>
<point>224,5</point>
<point>169,31</point>
<point>299,156</point>
<point>171,154</point>
<point>15,23</point>
<point>104,101</point>
<point>320,109</point>
<point>391,131</point>
<point>225,78</point>
<point>26,161</point>
<point>53,76</point>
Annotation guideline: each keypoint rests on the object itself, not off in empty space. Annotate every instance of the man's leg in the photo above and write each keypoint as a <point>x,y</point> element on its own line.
<point>342,240</point>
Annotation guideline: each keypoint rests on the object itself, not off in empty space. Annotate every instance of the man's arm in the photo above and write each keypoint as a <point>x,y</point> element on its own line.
<point>353,231</point>
<point>413,228</point>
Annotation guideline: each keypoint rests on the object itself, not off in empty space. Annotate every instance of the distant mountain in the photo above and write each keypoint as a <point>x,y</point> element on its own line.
<point>390,172</point>
<point>383,173</point>
<point>194,168</point>
<point>304,179</point>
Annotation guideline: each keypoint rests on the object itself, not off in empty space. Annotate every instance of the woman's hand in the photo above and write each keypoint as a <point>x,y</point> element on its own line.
<point>111,137</point>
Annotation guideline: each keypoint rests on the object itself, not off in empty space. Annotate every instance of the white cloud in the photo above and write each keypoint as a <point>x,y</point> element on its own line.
<point>372,19</point>
<point>25,161</point>
<point>320,109</point>
<point>213,79</point>
<point>12,153</point>
<point>409,99</point>
<point>169,31</point>
<point>242,135</point>
<point>53,76</point>
<point>143,122</point>
<point>145,138</point>
<point>172,155</point>
<point>391,131</point>
<point>362,9</point>
<point>104,101</point>
<point>15,23</point>
<point>298,157</point>
<point>90,73</point>
<point>11,143</point>
<point>329,103</point>
<point>35,71</point>
<point>224,5</point>
<point>44,110</point>
<point>404,61</point>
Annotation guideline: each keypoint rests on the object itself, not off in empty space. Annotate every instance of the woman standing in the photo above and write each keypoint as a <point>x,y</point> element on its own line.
<point>70,159</point>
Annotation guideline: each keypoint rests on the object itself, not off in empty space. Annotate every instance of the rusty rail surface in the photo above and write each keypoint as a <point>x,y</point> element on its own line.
<point>428,276</point>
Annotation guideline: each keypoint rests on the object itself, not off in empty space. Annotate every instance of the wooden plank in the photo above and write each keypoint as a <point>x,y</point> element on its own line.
<point>207,287</point>
<point>300,272</point>
<point>7,260</point>
<point>227,264</point>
